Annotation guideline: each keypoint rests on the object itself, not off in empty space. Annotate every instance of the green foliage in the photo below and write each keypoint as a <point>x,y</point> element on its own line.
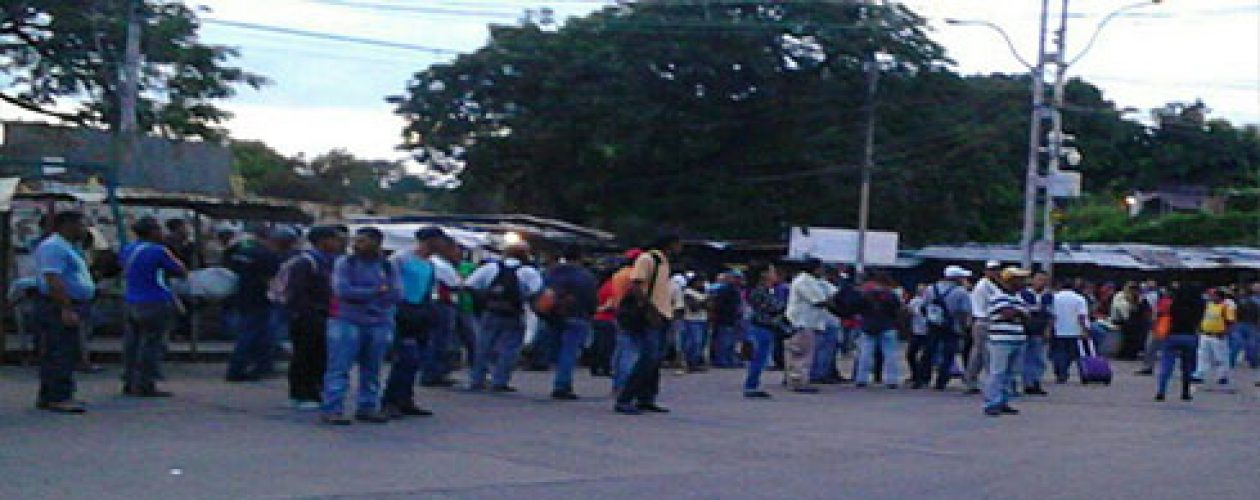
<point>743,119</point>
<point>336,176</point>
<point>67,54</point>
<point>1101,222</point>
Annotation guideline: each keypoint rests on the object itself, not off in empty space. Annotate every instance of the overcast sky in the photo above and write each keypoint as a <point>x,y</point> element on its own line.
<point>329,94</point>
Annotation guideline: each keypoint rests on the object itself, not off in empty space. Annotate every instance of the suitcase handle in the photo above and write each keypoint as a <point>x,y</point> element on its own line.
<point>1086,342</point>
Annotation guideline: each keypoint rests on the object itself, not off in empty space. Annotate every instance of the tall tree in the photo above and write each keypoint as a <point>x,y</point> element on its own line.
<point>62,59</point>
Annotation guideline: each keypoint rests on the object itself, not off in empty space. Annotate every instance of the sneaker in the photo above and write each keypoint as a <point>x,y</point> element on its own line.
<point>1160,397</point>
<point>651,408</point>
<point>411,410</point>
<point>1036,391</point>
<point>503,389</point>
<point>1008,410</point>
<point>1196,380</point>
<point>564,396</point>
<point>335,419</point>
<point>972,392</point>
<point>756,394</point>
<point>371,417</point>
<point>1187,397</point>
<point>993,412</point>
<point>627,409</point>
<point>152,393</point>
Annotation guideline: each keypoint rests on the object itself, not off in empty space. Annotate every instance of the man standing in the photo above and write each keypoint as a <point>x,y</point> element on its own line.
<point>504,287</point>
<point>1071,322</point>
<point>415,319</point>
<point>65,289</point>
<point>644,338</point>
<point>724,316</point>
<point>308,296</point>
<point>254,263</point>
<point>1040,301</point>
<point>574,290</point>
<point>366,289</point>
<point>436,360</point>
<point>1218,316</point>
<point>947,310</point>
<point>1247,330</point>
<point>981,295</point>
<point>1008,319</point>
<point>808,300</point>
<point>152,308</point>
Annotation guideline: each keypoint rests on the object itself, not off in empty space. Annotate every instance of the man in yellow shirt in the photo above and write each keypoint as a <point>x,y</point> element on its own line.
<point>1219,315</point>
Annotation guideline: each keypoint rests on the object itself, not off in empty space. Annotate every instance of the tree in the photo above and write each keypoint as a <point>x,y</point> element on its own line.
<point>62,59</point>
<point>335,176</point>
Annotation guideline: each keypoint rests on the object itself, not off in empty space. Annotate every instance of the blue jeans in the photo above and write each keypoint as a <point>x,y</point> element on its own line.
<point>1245,339</point>
<point>499,342</point>
<point>886,342</point>
<point>693,341</point>
<point>724,347</point>
<point>255,347</point>
<point>435,359</point>
<point>826,347</point>
<point>400,386</point>
<point>572,337</point>
<point>1183,347</point>
<point>644,381</point>
<point>144,340</point>
<point>349,345</point>
<point>1005,362</point>
<point>625,356</point>
<point>763,341</point>
<point>1034,361</point>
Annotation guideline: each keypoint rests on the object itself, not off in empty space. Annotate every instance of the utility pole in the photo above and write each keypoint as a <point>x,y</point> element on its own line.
<point>1033,181</point>
<point>129,79</point>
<point>1057,136</point>
<point>868,161</point>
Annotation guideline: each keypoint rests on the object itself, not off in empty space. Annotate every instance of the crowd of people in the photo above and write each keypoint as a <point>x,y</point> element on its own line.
<point>348,305</point>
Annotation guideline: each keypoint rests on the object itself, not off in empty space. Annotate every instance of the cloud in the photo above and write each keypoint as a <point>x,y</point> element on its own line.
<point>371,132</point>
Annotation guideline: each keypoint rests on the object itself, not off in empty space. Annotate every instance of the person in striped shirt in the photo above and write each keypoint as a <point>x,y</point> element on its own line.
<point>1007,314</point>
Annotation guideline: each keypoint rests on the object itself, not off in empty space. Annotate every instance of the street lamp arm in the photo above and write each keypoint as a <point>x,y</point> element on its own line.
<point>1103,24</point>
<point>1005,37</point>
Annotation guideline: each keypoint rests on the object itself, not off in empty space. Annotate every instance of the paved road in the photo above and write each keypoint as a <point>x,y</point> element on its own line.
<point>219,441</point>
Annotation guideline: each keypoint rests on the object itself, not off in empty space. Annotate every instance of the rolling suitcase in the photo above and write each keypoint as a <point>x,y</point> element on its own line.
<point>1095,369</point>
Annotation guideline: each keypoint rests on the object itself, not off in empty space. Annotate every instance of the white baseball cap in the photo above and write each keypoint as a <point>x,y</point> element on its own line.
<point>954,272</point>
<point>993,265</point>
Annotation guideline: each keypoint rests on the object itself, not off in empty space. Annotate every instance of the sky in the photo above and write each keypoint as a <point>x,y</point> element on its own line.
<point>328,94</point>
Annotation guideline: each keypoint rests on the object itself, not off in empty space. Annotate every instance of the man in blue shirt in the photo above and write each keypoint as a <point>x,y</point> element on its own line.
<point>415,319</point>
<point>573,288</point>
<point>65,289</point>
<point>151,307</point>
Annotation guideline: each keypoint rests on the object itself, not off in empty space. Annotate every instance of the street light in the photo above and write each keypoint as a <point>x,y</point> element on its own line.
<point>1005,36</point>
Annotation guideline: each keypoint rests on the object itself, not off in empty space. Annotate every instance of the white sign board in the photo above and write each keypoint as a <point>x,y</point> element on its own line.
<point>1065,184</point>
<point>8,186</point>
<point>840,245</point>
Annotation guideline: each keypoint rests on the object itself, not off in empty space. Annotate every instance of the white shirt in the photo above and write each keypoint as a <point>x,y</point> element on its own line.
<point>529,278</point>
<point>980,297</point>
<point>445,273</point>
<point>1070,310</point>
<point>802,311</point>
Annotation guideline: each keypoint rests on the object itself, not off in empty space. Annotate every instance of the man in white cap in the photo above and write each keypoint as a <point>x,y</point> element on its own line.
<point>947,309</point>
<point>980,296</point>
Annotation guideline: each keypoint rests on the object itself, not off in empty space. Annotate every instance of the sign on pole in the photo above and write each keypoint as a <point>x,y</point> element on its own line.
<point>840,245</point>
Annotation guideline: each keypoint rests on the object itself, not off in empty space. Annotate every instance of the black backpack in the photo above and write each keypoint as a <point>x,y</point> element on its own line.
<point>504,297</point>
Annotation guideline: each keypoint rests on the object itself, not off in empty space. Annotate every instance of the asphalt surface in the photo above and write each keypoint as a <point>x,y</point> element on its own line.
<point>215,440</point>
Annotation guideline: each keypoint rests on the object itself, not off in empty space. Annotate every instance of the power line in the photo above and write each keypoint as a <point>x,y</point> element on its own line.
<point>331,36</point>
<point>394,9</point>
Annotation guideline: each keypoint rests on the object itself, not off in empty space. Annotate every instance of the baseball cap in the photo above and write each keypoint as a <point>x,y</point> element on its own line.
<point>993,264</point>
<point>1015,272</point>
<point>429,233</point>
<point>953,272</point>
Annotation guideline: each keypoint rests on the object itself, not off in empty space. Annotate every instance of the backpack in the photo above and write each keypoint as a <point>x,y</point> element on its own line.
<point>848,302</point>
<point>504,295</point>
<point>935,310</point>
<point>278,287</point>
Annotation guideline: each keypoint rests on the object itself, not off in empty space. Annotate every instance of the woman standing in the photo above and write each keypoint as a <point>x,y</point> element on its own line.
<point>1186,313</point>
<point>768,322</point>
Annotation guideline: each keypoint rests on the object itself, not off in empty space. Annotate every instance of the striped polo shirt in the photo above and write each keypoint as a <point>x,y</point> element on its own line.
<point>1006,329</point>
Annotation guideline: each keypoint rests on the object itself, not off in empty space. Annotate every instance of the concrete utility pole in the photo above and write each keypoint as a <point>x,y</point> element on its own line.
<point>129,79</point>
<point>1056,136</point>
<point>1032,180</point>
<point>868,153</point>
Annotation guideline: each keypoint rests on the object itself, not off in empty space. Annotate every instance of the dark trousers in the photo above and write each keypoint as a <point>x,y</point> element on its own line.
<point>1063,352</point>
<point>941,350</point>
<point>309,333</point>
<point>1133,339</point>
<point>435,354</point>
<point>644,383</point>
<point>144,342</point>
<point>254,352</point>
<point>59,354</point>
<point>779,344</point>
<point>914,355</point>
<point>400,386</point>
<point>602,346</point>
